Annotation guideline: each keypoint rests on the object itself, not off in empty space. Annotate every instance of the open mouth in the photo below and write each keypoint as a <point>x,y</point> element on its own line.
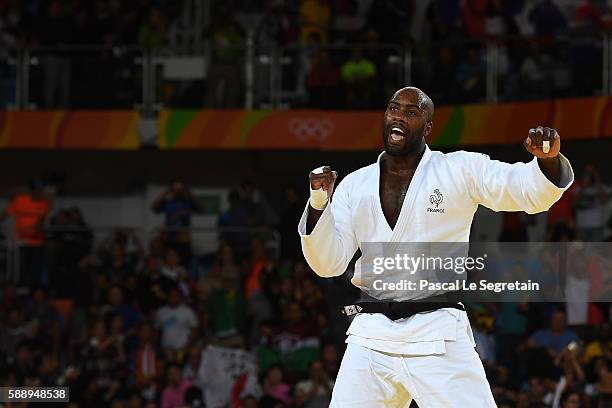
<point>396,135</point>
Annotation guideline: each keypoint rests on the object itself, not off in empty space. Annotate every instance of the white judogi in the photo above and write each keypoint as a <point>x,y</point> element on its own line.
<point>430,356</point>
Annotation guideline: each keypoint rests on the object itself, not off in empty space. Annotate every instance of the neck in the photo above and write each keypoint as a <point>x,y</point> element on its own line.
<point>405,163</point>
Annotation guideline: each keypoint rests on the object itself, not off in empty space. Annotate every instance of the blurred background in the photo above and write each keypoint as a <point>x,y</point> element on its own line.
<point>154,158</point>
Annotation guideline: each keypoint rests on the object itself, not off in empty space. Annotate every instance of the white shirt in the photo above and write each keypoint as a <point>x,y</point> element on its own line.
<point>176,324</point>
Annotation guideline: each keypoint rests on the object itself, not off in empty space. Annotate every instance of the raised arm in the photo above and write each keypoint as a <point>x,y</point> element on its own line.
<point>326,228</point>
<point>531,187</point>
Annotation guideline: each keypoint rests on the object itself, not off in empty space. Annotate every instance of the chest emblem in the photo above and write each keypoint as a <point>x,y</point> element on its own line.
<point>436,199</point>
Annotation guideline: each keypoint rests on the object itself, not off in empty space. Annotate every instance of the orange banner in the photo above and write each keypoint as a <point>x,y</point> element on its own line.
<point>587,118</point>
<point>69,130</point>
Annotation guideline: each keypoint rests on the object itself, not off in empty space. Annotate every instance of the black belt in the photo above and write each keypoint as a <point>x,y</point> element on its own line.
<point>398,310</point>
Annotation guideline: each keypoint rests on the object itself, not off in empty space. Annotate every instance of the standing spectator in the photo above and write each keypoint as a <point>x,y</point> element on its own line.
<point>358,74</point>
<point>176,321</point>
<point>291,246</point>
<point>315,17</point>
<point>178,204</point>
<point>323,81</point>
<point>591,197</point>
<point>30,210</point>
<point>536,73</point>
<point>173,396</point>
<point>471,78</point>
<point>223,82</point>
<point>442,83</point>
<point>55,31</point>
<point>152,33</point>
<point>547,19</point>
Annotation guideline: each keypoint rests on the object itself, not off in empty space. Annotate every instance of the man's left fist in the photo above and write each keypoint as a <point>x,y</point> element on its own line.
<point>543,142</point>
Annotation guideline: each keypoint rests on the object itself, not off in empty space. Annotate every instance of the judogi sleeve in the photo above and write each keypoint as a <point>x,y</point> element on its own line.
<point>330,246</point>
<point>516,187</point>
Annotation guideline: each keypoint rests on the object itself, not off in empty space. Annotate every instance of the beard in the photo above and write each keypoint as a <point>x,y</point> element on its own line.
<point>412,141</point>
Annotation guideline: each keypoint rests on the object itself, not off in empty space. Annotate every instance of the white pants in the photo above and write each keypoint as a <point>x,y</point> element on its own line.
<point>370,378</point>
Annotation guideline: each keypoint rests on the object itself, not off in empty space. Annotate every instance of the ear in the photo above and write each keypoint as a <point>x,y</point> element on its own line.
<point>428,129</point>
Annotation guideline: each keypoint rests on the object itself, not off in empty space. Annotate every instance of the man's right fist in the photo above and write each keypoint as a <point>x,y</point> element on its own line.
<point>322,182</point>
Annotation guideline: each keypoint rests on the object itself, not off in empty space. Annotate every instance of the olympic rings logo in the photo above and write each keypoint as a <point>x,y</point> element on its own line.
<point>311,128</point>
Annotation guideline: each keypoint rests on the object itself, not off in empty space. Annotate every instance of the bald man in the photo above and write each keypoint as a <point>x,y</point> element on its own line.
<point>422,350</point>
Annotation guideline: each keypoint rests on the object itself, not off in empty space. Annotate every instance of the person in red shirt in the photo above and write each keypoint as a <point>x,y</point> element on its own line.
<point>29,210</point>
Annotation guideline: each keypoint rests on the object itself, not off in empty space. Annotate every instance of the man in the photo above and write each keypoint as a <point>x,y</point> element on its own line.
<point>30,210</point>
<point>426,356</point>
<point>178,204</point>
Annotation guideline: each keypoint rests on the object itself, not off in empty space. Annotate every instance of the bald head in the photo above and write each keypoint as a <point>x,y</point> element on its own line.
<point>422,99</point>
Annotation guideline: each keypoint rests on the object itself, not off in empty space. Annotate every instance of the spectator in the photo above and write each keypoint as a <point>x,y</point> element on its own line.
<point>591,196</point>
<point>471,78</point>
<point>547,19</point>
<point>544,346</point>
<point>147,361</point>
<point>178,204</point>
<point>173,270</point>
<point>323,81</point>
<point>173,396</point>
<point>152,33</point>
<point>176,321</point>
<point>117,305</point>
<point>154,287</point>
<point>536,73</point>
<point>442,82</point>
<point>275,389</point>
<point>223,82</point>
<point>315,17</point>
<point>30,210</point>
<point>358,74</point>
<point>55,30</point>
<point>316,391</point>
<point>48,319</point>
<point>102,361</point>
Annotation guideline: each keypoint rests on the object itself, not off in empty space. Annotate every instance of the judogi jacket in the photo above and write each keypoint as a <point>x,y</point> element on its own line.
<point>439,206</point>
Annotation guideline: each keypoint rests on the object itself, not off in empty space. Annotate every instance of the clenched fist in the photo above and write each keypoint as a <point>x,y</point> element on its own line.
<point>543,142</point>
<point>322,182</point>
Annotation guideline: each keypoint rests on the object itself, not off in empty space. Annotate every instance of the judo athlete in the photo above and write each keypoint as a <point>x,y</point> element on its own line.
<point>426,355</point>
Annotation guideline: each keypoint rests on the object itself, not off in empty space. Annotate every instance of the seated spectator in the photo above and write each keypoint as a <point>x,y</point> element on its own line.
<point>173,270</point>
<point>153,287</point>
<point>173,395</point>
<point>147,362</point>
<point>275,389</point>
<point>316,391</point>
<point>101,363</point>
<point>176,322</point>
<point>557,337</point>
<point>117,305</point>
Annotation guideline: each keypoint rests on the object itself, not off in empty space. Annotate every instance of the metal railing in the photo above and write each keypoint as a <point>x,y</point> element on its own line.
<point>250,75</point>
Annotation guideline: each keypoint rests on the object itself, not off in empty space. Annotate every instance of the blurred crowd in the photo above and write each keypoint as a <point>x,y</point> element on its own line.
<point>342,54</point>
<point>129,323</point>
